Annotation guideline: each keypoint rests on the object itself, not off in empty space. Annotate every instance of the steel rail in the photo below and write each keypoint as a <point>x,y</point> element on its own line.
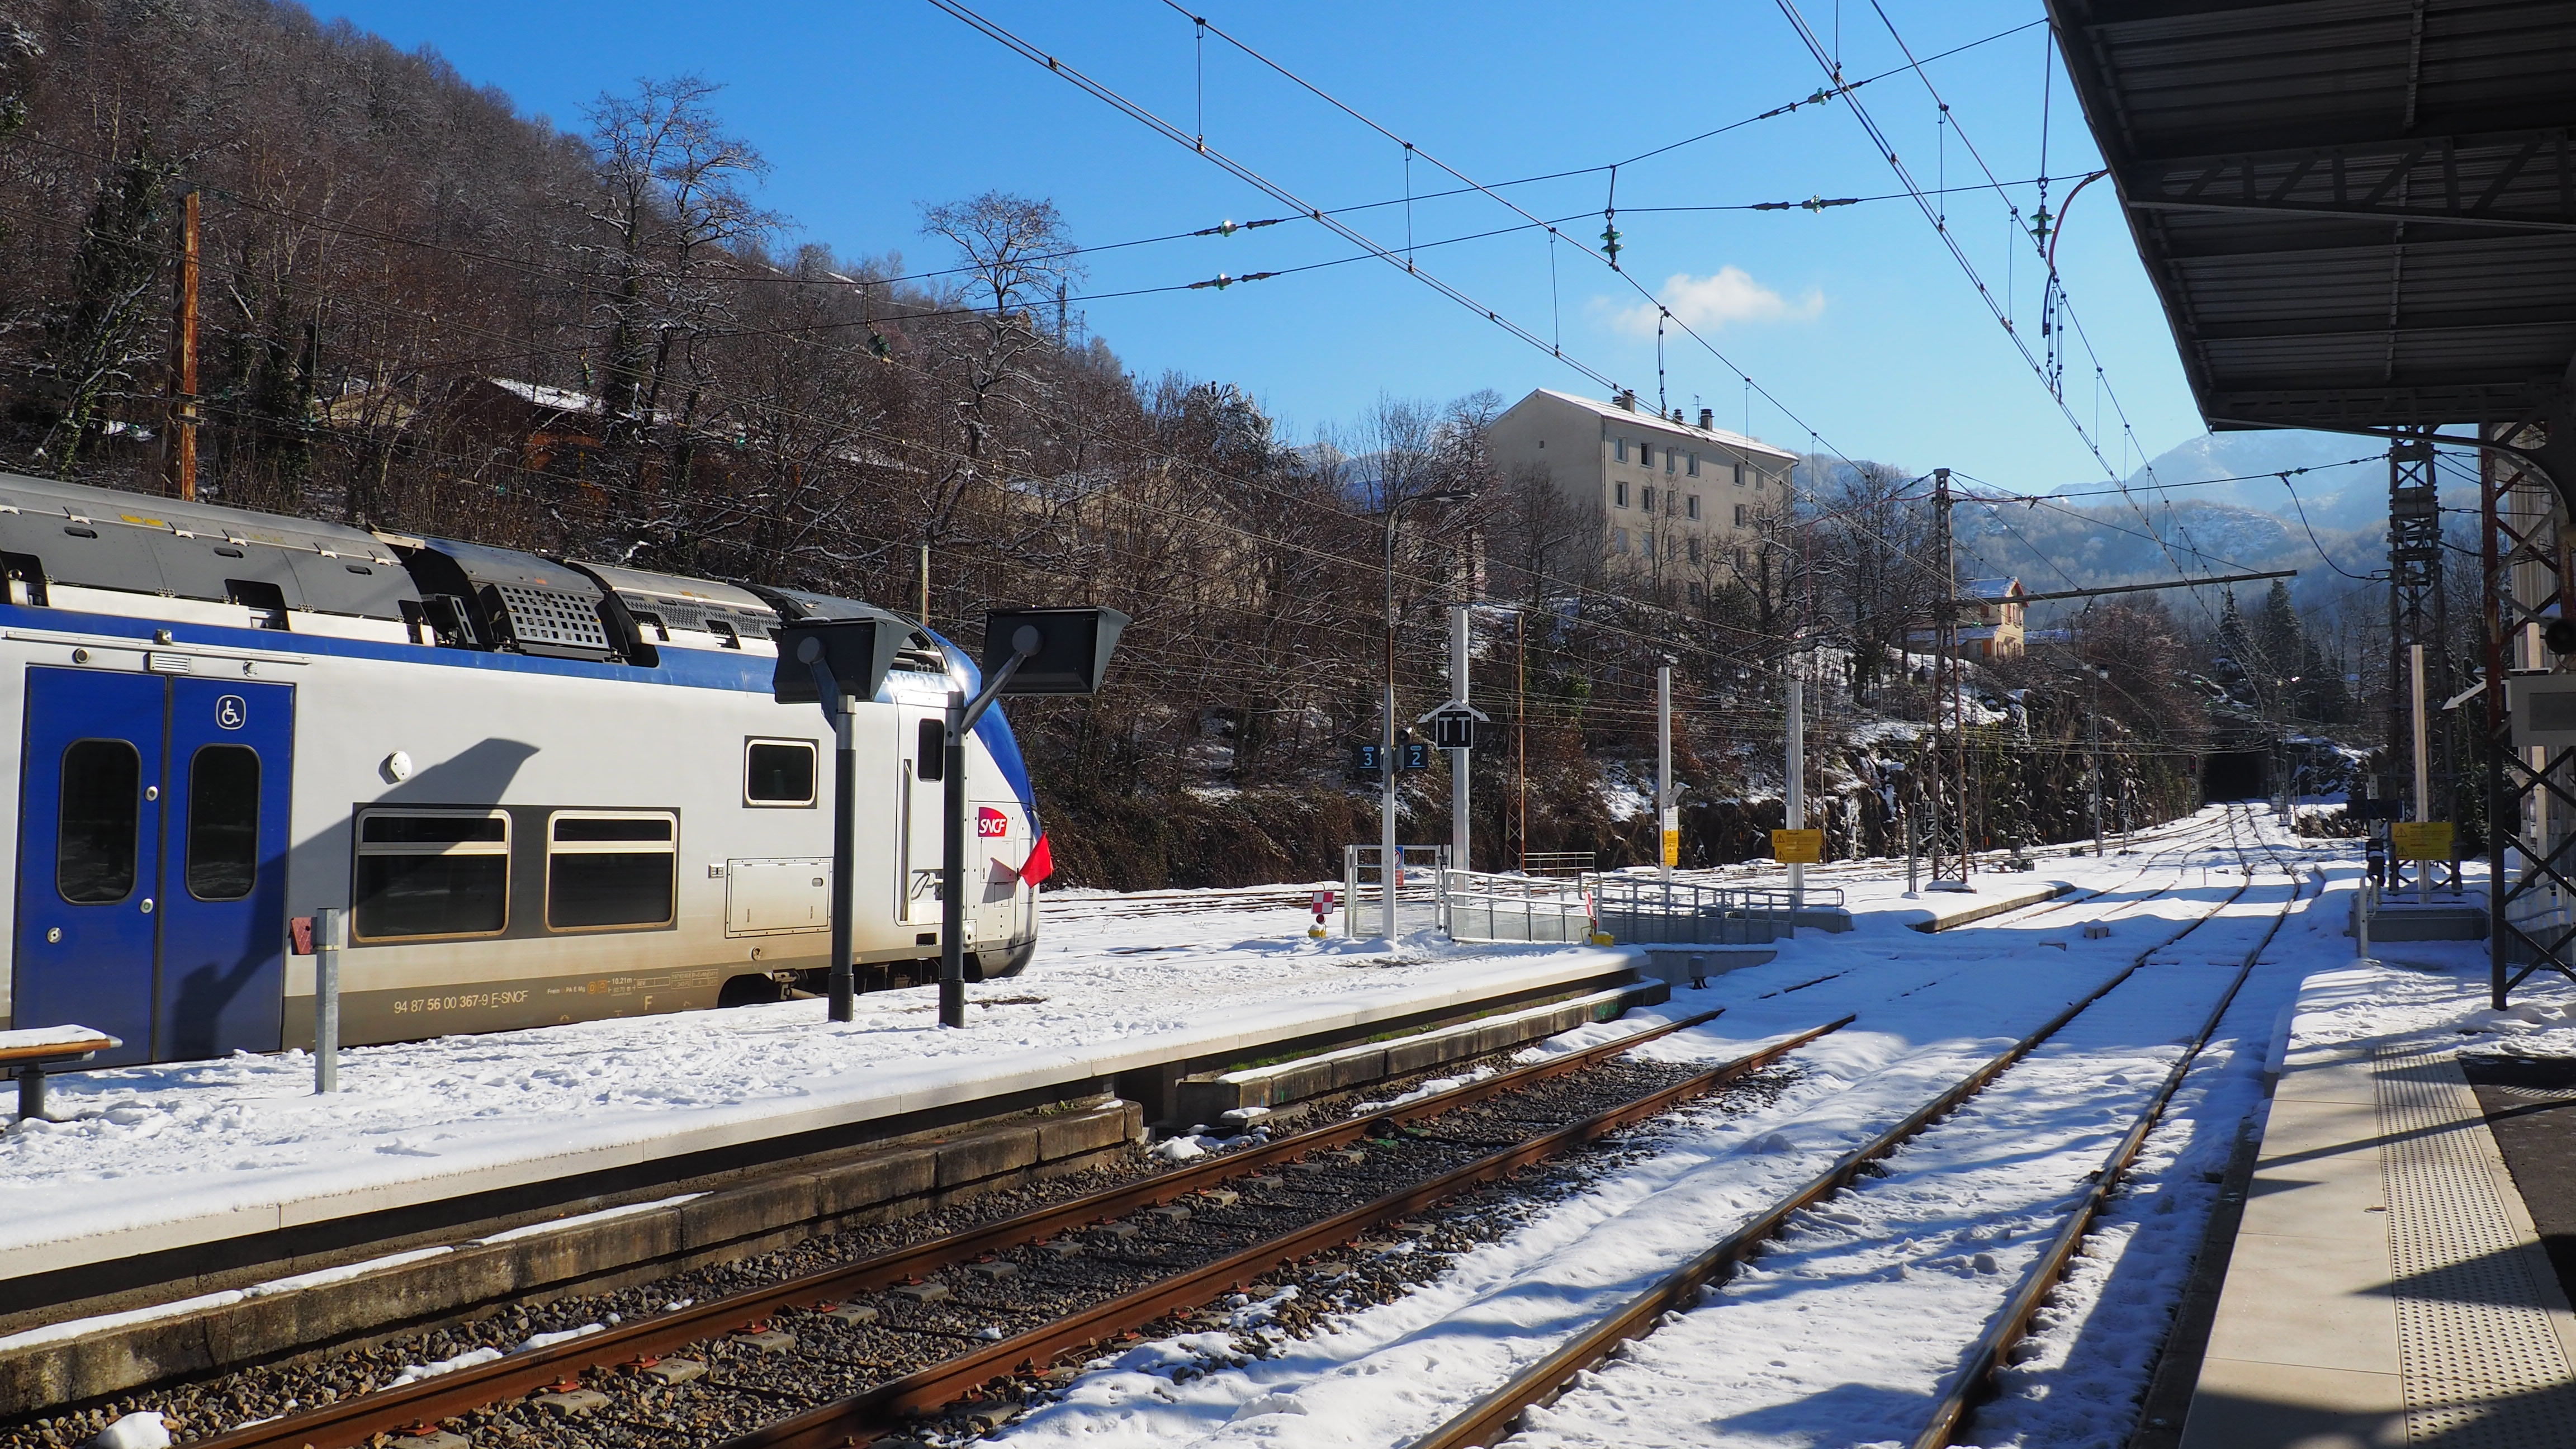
<point>890,1405</point>
<point>1495,1416</point>
<point>2012,1324</point>
<point>357,1418</point>
<point>2197,838</point>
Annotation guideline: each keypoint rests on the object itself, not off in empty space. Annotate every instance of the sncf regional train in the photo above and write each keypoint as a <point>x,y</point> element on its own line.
<point>543,790</point>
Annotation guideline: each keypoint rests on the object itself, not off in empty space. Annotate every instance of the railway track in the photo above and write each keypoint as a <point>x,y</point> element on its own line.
<point>880,1340</point>
<point>1496,1415</point>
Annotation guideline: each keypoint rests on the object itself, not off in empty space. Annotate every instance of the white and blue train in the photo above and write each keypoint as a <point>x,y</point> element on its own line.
<point>543,790</point>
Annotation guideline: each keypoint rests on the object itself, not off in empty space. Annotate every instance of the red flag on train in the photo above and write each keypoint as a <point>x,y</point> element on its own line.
<point>1039,865</point>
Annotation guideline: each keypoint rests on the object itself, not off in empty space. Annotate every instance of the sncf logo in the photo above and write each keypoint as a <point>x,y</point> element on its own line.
<point>990,823</point>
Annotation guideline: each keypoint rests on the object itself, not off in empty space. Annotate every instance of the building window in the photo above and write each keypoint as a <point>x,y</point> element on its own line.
<point>1694,550</point>
<point>606,870</point>
<point>1619,494</point>
<point>1694,465</point>
<point>432,873</point>
<point>778,772</point>
<point>1648,540</point>
<point>1646,499</point>
<point>1645,455</point>
<point>1621,444</point>
<point>1618,540</point>
<point>1743,516</point>
<point>1693,506</point>
<point>1697,594</point>
<point>1739,475</point>
<point>1669,460</point>
<point>1758,480</point>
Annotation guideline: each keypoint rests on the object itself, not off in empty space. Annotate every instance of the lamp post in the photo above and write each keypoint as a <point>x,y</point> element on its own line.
<point>1390,864</point>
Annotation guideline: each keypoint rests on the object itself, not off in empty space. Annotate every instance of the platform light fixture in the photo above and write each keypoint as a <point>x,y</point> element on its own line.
<point>836,663</point>
<point>1040,651</point>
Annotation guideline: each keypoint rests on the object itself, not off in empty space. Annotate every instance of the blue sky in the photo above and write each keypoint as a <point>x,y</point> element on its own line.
<point>1856,318</point>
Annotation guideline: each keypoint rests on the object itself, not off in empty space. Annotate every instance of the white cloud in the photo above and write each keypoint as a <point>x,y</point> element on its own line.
<point>1728,295</point>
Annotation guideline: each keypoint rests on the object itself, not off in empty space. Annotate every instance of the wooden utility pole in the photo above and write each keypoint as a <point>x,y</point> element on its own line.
<point>183,371</point>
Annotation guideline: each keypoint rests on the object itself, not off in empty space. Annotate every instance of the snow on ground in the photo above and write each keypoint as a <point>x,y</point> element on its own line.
<point>132,1145</point>
<point>1844,1332</point>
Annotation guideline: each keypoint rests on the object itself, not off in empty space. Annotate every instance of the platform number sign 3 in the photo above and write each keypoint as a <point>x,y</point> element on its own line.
<point>232,711</point>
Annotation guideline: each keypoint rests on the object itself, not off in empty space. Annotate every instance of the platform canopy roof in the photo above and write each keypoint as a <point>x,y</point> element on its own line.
<point>2359,214</point>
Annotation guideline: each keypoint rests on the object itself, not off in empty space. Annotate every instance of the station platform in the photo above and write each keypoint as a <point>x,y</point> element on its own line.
<point>2387,1284</point>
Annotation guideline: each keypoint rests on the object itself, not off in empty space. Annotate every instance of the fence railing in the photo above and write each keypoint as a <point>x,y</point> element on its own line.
<point>1415,879</point>
<point>1559,863</point>
<point>1479,907</point>
<point>1475,906</point>
<point>1646,909</point>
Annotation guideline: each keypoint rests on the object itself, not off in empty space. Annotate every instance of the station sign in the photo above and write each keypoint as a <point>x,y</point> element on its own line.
<point>2421,839</point>
<point>1798,847</point>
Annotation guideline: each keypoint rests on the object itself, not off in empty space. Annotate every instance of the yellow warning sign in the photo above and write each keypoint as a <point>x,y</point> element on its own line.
<point>1798,847</point>
<point>1672,847</point>
<point>2421,839</point>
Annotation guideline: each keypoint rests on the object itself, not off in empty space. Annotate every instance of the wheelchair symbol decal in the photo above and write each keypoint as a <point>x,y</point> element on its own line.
<point>232,712</point>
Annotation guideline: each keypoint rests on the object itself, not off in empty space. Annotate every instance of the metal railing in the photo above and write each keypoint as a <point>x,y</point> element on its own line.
<point>1644,909</point>
<point>1475,906</point>
<point>1479,907</point>
<point>1417,888</point>
<point>1559,863</point>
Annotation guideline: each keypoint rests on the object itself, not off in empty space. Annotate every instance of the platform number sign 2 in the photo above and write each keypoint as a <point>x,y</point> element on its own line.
<point>232,711</point>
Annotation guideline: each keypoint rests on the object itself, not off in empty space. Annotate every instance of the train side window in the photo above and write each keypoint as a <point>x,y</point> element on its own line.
<point>432,873</point>
<point>223,822</point>
<point>610,869</point>
<point>778,772</point>
<point>100,822</point>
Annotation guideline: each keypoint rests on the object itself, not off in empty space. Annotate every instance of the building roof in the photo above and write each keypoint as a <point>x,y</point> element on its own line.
<point>2357,213</point>
<point>1621,415</point>
<point>1993,588</point>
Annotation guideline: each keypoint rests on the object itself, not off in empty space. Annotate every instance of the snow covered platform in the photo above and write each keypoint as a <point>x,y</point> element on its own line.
<point>2387,1284</point>
<point>158,1163</point>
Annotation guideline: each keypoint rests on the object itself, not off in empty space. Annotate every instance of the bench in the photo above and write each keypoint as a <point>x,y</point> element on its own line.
<point>29,1050</point>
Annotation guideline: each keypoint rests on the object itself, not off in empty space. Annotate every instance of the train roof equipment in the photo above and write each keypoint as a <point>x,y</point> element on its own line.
<point>62,540</point>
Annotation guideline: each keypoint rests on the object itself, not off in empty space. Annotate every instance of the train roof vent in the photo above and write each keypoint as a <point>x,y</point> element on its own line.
<point>549,617</point>
<point>543,607</point>
<point>686,603</point>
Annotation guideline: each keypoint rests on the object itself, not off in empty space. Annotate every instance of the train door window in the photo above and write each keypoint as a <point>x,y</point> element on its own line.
<point>778,772</point>
<point>432,873</point>
<point>930,750</point>
<point>101,814</point>
<point>223,822</point>
<point>609,870</point>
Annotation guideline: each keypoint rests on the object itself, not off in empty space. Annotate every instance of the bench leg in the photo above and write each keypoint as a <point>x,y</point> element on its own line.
<point>31,1092</point>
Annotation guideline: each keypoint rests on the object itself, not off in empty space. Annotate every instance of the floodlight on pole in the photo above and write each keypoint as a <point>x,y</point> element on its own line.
<point>836,663</point>
<point>1058,651</point>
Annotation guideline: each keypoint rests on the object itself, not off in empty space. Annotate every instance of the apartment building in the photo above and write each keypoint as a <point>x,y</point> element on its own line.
<point>1678,502</point>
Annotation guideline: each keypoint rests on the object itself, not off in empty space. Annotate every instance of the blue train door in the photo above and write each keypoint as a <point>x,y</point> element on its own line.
<point>223,868</point>
<point>152,860</point>
<point>89,854</point>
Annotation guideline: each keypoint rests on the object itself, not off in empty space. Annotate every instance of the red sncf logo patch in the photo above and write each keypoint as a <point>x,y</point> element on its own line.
<point>991,824</point>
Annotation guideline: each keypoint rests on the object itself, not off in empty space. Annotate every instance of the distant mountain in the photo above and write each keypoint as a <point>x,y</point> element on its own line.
<point>2336,490</point>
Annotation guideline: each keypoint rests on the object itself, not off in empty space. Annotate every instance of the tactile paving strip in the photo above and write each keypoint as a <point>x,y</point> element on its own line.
<point>2481,1362</point>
